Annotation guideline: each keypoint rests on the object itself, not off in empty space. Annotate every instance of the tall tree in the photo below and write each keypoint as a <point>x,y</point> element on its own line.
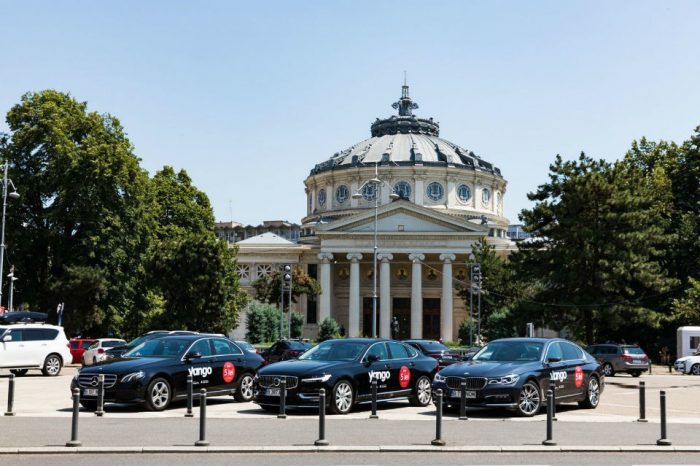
<point>267,289</point>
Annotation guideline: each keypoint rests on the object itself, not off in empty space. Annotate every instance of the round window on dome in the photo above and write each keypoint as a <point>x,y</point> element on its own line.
<point>435,191</point>
<point>322,197</point>
<point>403,189</point>
<point>341,194</point>
<point>369,191</point>
<point>464,193</point>
<point>485,196</point>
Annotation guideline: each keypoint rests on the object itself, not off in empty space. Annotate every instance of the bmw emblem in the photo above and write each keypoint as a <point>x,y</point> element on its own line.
<point>276,382</point>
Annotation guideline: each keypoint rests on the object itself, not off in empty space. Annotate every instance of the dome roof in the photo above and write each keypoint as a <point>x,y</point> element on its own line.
<point>405,140</point>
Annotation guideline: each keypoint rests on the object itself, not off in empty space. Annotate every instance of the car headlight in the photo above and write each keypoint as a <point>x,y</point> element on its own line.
<point>318,379</point>
<point>509,379</point>
<point>439,378</point>
<point>133,376</point>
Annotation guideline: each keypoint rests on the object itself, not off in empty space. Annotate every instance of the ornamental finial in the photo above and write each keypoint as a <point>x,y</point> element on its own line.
<point>405,105</point>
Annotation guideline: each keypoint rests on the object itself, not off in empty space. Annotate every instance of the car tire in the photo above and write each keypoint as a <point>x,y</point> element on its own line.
<point>52,365</point>
<point>342,397</point>
<point>159,394</point>
<point>422,392</point>
<point>529,399</point>
<point>695,370</point>
<point>19,372</point>
<point>592,394</point>
<point>636,373</point>
<point>608,370</point>
<point>89,405</point>
<point>244,388</point>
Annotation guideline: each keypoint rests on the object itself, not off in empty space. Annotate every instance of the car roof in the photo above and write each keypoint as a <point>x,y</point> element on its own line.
<point>191,337</point>
<point>529,339</point>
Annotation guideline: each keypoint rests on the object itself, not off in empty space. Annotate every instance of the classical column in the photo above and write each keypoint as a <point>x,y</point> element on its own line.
<point>385,295</point>
<point>446,301</point>
<point>326,293</point>
<point>354,305</point>
<point>416,295</point>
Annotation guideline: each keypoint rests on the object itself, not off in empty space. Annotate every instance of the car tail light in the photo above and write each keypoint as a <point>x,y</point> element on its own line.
<point>646,358</point>
<point>100,350</point>
<point>626,357</point>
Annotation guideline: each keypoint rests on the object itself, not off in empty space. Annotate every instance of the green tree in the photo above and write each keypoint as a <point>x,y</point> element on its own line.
<point>297,325</point>
<point>262,322</point>
<point>686,310</point>
<point>268,289</point>
<point>328,330</point>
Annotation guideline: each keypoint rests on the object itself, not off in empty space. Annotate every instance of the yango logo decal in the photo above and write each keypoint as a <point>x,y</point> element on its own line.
<point>199,371</point>
<point>379,376</point>
<point>559,376</point>
<point>404,376</point>
<point>578,377</point>
<point>229,372</point>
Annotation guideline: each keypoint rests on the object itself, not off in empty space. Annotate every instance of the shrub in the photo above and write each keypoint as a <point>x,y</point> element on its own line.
<point>263,322</point>
<point>297,324</point>
<point>464,331</point>
<point>328,330</point>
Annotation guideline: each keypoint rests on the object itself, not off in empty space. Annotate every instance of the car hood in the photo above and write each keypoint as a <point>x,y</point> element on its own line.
<point>488,369</point>
<point>124,366</point>
<point>303,367</point>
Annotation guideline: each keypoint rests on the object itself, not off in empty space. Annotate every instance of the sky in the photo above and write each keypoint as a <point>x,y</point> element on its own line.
<point>248,96</point>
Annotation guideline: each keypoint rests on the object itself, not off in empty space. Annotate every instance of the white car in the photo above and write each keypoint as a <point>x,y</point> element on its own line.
<point>688,364</point>
<point>27,346</point>
<point>96,352</point>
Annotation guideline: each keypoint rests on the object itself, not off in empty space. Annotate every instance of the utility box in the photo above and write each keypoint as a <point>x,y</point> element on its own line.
<point>687,341</point>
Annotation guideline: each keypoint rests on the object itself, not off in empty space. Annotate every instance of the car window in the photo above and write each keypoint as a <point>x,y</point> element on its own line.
<point>592,350</point>
<point>379,350</point>
<point>412,353</point>
<point>111,343</point>
<point>202,347</point>
<point>222,347</point>
<point>633,350</point>
<point>16,335</point>
<point>169,348</point>
<point>554,351</point>
<point>335,351</point>
<point>510,351</point>
<point>86,344</point>
<point>298,345</point>
<point>571,352</point>
<point>74,344</point>
<point>397,350</point>
<point>94,345</point>
<point>33,334</point>
<point>433,346</point>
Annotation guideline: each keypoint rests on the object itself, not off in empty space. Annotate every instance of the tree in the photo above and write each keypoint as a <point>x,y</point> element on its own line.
<point>262,322</point>
<point>268,289</point>
<point>328,330</point>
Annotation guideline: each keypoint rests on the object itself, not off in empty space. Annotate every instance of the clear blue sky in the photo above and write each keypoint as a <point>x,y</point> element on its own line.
<point>249,96</point>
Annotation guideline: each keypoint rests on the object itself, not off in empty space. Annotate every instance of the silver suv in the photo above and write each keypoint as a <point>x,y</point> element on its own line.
<point>620,358</point>
<point>27,346</point>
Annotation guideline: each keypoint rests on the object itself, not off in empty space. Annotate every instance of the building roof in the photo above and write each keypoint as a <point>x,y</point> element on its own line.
<point>266,239</point>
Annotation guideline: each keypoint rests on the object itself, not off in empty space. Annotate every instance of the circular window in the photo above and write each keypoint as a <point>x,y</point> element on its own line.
<point>403,189</point>
<point>485,196</point>
<point>322,197</point>
<point>435,191</point>
<point>464,193</point>
<point>369,191</point>
<point>341,194</point>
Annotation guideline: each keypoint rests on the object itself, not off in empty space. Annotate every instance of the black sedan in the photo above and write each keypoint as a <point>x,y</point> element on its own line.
<point>515,373</point>
<point>119,351</point>
<point>345,369</point>
<point>285,349</point>
<point>437,350</point>
<point>155,372</point>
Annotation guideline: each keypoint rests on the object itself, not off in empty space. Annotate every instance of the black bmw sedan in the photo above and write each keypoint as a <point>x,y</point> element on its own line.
<point>155,372</point>
<point>515,373</point>
<point>345,369</point>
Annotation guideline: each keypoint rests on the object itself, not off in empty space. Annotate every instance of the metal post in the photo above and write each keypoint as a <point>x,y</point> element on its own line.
<point>438,441</point>
<point>74,442</point>
<point>642,403</point>
<point>202,442</point>
<point>374,260</point>
<point>2,236</point>
<point>10,396</point>
<point>283,399</point>
<point>663,441</point>
<point>289,295</point>
<point>374,400</point>
<point>478,314</point>
<point>553,389</point>
<point>463,400</point>
<point>190,395</point>
<point>550,411</point>
<point>471,303</point>
<point>282,304</point>
<point>321,442</point>
<point>11,275</point>
<point>100,395</point>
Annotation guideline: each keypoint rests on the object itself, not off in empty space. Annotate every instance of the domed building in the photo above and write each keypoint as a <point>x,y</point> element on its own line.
<point>404,202</point>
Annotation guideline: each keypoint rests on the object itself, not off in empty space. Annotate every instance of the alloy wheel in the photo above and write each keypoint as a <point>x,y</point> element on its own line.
<point>423,391</point>
<point>529,400</point>
<point>343,397</point>
<point>593,391</point>
<point>695,370</point>
<point>160,393</point>
<point>247,387</point>
<point>53,365</point>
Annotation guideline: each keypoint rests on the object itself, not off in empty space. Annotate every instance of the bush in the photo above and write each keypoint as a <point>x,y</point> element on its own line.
<point>297,324</point>
<point>328,330</point>
<point>464,331</point>
<point>263,322</point>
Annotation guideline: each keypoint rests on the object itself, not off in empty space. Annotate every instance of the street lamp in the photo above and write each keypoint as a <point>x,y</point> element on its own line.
<point>13,195</point>
<point>12,278</point>
<point>474,283</point>
<point>376,184</point>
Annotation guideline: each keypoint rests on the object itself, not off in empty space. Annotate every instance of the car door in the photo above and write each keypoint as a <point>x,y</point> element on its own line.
<point>13,350</point>
<point>376,370</point>
<point>229,363</point>
<point>201,368</point>
<point>573,356</point>
<point>557,369</point>
<point>402,370</point>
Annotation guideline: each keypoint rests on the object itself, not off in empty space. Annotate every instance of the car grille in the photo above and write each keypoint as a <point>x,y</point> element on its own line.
<point>90,380</point>
<point>267,381</point>
<point>473,383</point>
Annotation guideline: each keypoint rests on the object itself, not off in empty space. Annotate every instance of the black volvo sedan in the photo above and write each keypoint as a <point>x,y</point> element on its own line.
<point>345,369</point>
<point>515,373</point>
<point>155,372</point>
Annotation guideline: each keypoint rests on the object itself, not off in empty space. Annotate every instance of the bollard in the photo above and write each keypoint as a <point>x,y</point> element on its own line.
<point>663,441</point>
<point>463,401</point>
<point>74,442</point>
<point>651,365</point>
<point>374,400</point>
<point>190,395</point>
<point>10,396</point>
<point>283,399</point>
<point>100,396</point>
<point>202,442</point>
<point>553,389</point>
<point>550,418</point>
<point>642,403</point>
<point>321,442</point>
<point>438,441</point>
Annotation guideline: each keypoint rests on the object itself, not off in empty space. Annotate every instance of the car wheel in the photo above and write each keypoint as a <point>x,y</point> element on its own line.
<point>89,405</point>
<point>695,370</point>
<point>158,395</point>
<point>529,399</point>
<point>592,394</point>
<point>636,373</point>
<point>608,370</point>
<point>342,397</point>
<point>52,365</point>
<point>19,372</point>
<point>422,392</point>
<point>244,388</point>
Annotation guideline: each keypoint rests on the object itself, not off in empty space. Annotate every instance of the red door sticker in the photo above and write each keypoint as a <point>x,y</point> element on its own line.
<point>578,377</point>
<point>404,376</point>
<point>229,372</point>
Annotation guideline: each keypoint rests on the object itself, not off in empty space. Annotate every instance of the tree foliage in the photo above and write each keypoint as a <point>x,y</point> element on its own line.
<point>262,322</point>
<point>328,330</point>
<point>267,289</point>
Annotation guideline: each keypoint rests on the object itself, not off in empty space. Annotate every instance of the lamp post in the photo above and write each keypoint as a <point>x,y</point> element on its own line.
<point>13,195</point>
<point>376,184</point>
<point>12,278</point>
<point>474,283</point>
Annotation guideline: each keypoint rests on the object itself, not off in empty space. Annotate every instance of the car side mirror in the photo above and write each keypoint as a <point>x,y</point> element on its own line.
<point>551,360</point>
<point>193,355</point>
<point>372,358</point>
<point>7,338</point>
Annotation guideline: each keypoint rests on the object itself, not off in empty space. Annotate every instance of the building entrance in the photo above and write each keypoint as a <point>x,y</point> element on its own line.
<point>402,311</point>
<point>431,318</point>
<point>367,317</point>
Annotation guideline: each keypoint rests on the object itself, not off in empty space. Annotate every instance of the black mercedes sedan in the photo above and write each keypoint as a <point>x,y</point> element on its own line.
<point>345,369</point>
<point>155,372</point>
<point>515,373</point>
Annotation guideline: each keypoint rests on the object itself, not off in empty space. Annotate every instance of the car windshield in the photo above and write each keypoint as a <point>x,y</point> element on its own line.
<point>510,351</point>
<point>160,348</point>
<point>633,350</point>
<point>335,351</point>
<point>433,346</point>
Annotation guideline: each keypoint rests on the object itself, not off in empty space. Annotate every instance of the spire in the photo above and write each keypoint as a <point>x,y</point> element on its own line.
<point>405,105</point>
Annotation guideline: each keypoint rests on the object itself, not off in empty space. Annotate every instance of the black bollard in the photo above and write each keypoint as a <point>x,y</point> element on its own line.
<point>463,401</point>
<point>550,418</point>
<point>553,389</point>
<point>10,396</point>
<point>374,400</point>
<point>190,395</point>
<point>283,399</point>
<point>321,442</point>
<point>663,441</point>
<point>100,396</point>
<point>74,442</point>
<point>642,403</point>
<point>202,442</point>
<point>438,441</point>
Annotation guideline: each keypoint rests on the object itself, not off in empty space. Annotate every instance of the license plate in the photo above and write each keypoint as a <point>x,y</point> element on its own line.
<point>89,392</point>
<point>272,392</point>
<point>471,394</point>
<point>638,361</point>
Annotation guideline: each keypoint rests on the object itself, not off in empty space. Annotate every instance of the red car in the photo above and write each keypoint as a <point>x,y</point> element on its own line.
<point>78,347</point>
